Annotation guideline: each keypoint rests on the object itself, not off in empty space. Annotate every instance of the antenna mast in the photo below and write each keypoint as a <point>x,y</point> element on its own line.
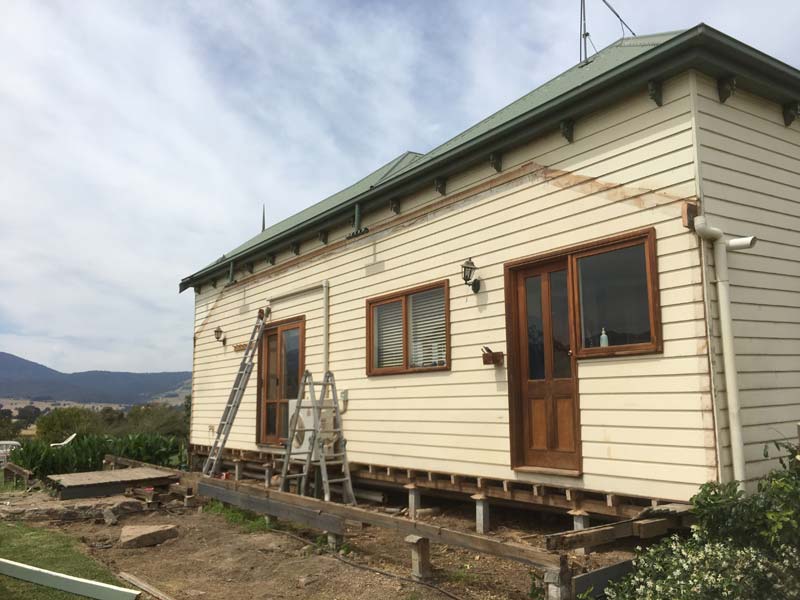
<point>584,55</point>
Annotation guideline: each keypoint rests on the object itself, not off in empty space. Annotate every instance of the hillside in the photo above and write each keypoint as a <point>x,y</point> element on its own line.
<point>20,378</point>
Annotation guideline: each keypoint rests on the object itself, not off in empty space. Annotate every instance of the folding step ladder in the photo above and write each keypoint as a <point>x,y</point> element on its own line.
<point>214,460</point>
<point>326,445</point>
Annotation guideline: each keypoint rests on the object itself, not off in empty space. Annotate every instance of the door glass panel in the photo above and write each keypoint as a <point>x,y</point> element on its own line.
<point>613,297</point>
<point>559,316</point>
<point>272,382</point>
<point>271,419</point>
<point>533,309</point>
<point>290,363</point>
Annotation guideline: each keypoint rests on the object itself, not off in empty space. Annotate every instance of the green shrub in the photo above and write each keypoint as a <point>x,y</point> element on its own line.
<point>701,569</point>
<point>742,547</point>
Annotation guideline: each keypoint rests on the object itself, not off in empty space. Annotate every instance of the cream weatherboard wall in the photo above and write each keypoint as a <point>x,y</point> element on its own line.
<point>750,182</point>
<point>647,422</point>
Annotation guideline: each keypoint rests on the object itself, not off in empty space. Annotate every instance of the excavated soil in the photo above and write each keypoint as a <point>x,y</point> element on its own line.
<point>211,559</point>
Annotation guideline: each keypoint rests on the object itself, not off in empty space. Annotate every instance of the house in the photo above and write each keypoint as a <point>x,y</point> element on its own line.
<point>621,340</point>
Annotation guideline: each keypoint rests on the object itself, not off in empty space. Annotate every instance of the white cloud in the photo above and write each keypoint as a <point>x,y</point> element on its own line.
<point>140,138</point>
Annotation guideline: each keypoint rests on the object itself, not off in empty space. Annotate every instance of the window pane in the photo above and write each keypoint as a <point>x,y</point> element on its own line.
<point>272,424</point>
<point>272,367</point>
<point>613,297</point>
<point>388,335</point>
<point>427,332</point>
<point>291,363</point>
<point>559,317</point>
<point>533,301</point>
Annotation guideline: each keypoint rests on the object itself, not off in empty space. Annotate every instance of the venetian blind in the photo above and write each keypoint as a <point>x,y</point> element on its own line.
<point>427,332</point>
<point>388,342</point>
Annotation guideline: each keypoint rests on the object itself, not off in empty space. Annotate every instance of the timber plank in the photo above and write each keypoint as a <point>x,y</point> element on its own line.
<point>246,493</point>
<point>598,579</point>
<point>591,536</point>
<point>66,583</point>
<point>275,508</point>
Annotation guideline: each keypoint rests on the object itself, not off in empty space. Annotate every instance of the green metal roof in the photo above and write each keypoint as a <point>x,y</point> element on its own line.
<point>608,58</point>
<point>331,202</point>
<point>618,67</point>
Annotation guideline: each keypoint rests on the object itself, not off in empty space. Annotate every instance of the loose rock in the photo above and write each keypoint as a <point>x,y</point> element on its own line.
<point>140,536</point>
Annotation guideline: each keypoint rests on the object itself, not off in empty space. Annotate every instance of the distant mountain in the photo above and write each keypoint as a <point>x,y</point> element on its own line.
<point>20,378</point>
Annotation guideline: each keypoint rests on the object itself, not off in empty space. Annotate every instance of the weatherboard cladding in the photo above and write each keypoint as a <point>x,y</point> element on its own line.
<point>646,422</point>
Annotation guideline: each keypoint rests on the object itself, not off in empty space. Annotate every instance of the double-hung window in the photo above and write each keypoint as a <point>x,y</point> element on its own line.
<point>409,331</point>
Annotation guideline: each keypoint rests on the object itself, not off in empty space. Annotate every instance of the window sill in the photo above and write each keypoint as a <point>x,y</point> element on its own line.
<point>611,351</point>
<point>374,373</point>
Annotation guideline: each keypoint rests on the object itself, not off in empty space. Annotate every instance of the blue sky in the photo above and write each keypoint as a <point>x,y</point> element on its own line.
<point>140,139</point>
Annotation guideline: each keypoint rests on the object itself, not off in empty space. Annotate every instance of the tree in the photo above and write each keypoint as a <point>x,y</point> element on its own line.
<point>28,414</point>
<point>9,429</point>
<point>60,423</point>
<point>157,418</point>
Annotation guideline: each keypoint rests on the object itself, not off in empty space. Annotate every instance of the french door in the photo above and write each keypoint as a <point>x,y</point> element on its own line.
<point>546,434</point>
<point>281,371</point>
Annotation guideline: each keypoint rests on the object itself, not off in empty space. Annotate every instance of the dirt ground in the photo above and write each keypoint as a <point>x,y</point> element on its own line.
<point>213,559</point>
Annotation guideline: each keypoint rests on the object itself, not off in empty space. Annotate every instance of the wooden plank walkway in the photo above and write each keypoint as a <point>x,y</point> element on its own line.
<point>107,483</point>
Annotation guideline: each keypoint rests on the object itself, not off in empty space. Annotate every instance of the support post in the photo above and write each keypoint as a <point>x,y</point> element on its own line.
<point>482,523</point>
<point>420,557</point>
<point>237,469</point>
<point>556,586</point>
<point>414,500</point>
<point>335,541</point>
<point>580,520</point>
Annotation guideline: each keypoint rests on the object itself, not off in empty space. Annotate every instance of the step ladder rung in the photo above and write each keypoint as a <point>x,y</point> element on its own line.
<point>338,480</point>
<point>294,475</point>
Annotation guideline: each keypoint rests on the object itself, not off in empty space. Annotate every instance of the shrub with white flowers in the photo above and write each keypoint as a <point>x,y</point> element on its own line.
<point>742,548</point>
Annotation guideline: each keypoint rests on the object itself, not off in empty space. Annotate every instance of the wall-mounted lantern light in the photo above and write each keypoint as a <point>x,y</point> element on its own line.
<point>219,335</point>
<point>467,272</point>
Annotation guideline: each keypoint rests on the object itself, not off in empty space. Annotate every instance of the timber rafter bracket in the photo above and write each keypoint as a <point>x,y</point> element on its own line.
<point>496,160</point>
<point>440,185</point>
<point>791,110</point>
<point>655,89</point>
<point>726,87</point>
<point>568,129</point>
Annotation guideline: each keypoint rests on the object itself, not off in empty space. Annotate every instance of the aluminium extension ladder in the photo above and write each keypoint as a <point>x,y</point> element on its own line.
<point>327,445</point>
<point>214,459</point>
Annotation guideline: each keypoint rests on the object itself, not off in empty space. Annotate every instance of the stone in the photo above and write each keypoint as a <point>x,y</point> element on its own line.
<point>109,517</point>
<point>306,580</point>
<point>141,536</point>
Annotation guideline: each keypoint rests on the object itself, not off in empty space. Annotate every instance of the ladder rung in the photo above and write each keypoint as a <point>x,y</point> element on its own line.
<point>295,475</point>
<point>339,480</point>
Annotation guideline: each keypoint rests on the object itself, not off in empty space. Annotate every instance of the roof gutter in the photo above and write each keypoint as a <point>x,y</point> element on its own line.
<point>702,47</point>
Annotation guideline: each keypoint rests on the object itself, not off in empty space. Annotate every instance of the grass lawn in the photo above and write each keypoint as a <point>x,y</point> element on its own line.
<point>45,549</point>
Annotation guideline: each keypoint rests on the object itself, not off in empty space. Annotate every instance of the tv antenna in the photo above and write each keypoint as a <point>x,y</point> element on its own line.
<point>585,37</point>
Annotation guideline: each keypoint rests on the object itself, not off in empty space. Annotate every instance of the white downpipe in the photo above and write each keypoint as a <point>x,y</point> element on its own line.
<point>721,248</point>
<point>325,287</point>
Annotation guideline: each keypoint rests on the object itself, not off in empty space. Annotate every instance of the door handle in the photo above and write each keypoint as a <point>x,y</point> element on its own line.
<point>569,352</point>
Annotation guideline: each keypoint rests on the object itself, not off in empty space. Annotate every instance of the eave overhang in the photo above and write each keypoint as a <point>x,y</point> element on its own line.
<point>702,48</point>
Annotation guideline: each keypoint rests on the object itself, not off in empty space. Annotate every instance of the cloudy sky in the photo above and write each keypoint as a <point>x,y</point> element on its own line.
<point>140,139</point>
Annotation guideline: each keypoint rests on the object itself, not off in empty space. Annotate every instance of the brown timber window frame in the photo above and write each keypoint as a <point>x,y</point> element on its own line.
<point>270,393</point>
<point>646,238</point>
<point>403,299</point>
